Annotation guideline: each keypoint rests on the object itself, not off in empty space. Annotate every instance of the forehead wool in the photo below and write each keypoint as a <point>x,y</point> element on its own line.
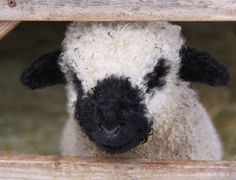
<point>95,51</point>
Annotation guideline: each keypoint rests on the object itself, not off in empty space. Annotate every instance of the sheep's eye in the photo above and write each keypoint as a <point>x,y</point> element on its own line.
<point>152,74</point>
<point>156,79</point>
<point>78,85</point>
<point>122,124</point>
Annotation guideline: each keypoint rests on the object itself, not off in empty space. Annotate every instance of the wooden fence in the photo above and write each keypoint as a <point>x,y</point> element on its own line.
<point>57,167</point>
<point>118,10</point>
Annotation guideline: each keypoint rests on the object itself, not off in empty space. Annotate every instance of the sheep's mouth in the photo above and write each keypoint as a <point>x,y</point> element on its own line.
<point>114,105</point>
<point>119,148</point>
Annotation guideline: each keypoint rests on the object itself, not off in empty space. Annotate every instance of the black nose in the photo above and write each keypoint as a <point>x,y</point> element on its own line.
<point>113,115</point>
<point>110,132</point>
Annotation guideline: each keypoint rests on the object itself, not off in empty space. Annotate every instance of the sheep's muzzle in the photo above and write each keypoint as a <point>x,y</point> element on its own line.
<point>113,115</point>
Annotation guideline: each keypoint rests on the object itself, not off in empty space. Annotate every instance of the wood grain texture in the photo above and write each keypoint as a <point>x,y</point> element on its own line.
<point>118,10</point>
<point>58,167</point>
<point>6,27</point>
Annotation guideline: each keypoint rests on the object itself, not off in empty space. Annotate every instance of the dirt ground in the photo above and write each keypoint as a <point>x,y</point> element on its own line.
<point>31,122</point>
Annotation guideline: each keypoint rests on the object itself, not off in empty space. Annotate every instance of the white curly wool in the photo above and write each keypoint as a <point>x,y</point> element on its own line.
<point>94,51</point>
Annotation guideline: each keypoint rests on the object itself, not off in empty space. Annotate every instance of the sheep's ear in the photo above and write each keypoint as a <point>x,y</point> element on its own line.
<point>197,66</point>
<point>43,72</point>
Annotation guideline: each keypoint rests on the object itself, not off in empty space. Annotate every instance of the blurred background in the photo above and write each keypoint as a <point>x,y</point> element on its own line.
<point>31,122</point>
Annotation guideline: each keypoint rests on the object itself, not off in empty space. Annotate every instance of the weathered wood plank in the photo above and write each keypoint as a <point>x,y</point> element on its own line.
<point>57,167</point>
<point>118,10</point>
<point>6,27</point>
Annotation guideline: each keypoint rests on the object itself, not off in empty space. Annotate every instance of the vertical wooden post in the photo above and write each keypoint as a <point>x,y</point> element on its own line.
<point>6,27</point>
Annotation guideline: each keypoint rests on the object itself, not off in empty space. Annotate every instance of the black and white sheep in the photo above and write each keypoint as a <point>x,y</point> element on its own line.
<point>128,91</point>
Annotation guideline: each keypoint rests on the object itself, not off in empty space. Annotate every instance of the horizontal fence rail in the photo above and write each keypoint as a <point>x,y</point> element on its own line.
<point>58,167</point>
<point>118,10</point>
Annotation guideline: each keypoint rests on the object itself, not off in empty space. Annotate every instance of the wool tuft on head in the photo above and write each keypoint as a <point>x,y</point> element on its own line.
<point>128,91</point>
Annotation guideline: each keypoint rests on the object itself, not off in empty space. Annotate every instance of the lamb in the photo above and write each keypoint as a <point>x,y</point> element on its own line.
<point>129,94</point>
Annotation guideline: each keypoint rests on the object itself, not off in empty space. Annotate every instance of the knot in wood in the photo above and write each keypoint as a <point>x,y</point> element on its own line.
<point>11,3</point>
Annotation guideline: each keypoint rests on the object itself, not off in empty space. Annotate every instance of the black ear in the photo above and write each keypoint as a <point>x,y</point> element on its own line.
<point>197,66</point>
<point>43,72</point>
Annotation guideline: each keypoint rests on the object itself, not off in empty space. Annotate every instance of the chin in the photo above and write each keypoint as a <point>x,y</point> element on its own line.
<point>120,145</point>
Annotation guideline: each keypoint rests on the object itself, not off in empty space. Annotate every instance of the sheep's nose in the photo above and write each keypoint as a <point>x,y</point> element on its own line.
<point>109,132</point>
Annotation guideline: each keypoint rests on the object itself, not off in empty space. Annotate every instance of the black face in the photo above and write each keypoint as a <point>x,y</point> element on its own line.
<point>113,115</point>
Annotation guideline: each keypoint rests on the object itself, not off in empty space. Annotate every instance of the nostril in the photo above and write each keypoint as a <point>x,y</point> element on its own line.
<point>117,130</point>
<point>100,127</point>
<point>110,132</point>
<point>122,124</point>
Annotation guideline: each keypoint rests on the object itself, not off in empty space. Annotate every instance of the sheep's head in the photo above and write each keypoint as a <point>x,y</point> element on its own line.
<point>115,71</point>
